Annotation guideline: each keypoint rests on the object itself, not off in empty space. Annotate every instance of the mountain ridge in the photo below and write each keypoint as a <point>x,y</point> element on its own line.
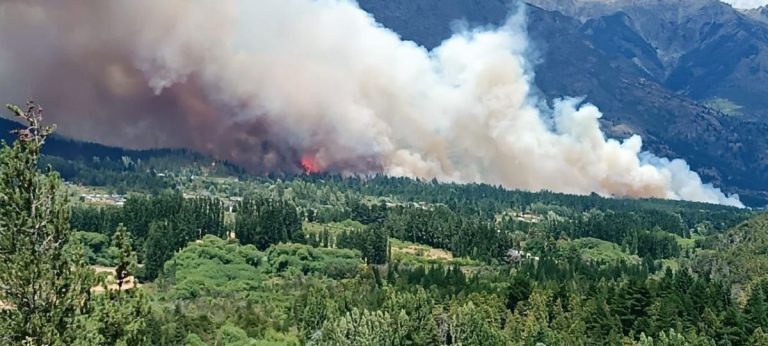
<point>707,49</point>
<point>72,149</point>
<point>617,71</point>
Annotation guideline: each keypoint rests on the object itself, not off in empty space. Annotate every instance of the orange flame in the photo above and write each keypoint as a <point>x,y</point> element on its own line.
<point>309,163</point>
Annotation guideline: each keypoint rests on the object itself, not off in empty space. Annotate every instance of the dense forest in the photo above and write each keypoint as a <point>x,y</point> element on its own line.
<point>190,251</point>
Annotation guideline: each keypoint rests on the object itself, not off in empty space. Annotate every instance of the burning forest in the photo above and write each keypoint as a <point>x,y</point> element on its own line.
<point>319,86</point>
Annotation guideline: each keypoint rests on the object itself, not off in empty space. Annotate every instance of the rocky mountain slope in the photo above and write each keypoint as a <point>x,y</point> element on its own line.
<point>704,49</point>
<point>684,74</point>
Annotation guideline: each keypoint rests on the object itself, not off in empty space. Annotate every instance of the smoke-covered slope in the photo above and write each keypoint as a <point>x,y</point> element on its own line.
<point>607,60</point>
<point>70,149</point>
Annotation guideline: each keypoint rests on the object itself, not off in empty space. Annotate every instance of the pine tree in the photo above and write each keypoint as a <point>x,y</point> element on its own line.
<point>412,318</point>
<point>732,328</point>
<point>518,290</point>
<point>325,238</point>
<point>313,308</point>
<point>357,327</point>
<point>631,302</point>
<point>120,316</point>
<point>470,325</point>
<point>756,311</point>
<point>44,281</point>
<point>376,244</point>
<point>126,258</point>
<point>157,249</point>
<point>601,323</point>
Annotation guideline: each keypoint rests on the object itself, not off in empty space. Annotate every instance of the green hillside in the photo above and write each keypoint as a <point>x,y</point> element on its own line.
<point>740,255</point>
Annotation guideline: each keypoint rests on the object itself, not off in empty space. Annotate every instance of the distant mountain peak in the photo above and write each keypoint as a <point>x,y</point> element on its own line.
<point>746,4</point>
<point>585,9</point>
<point>759,14</point>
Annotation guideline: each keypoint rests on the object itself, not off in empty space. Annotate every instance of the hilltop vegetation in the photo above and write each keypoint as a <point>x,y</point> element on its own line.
<point>739,255</point>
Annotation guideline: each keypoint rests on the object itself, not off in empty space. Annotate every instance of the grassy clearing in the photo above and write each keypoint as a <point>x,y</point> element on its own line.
<point>687,243</point>
<point>726,106</point>
<point>596,250</point>
<point>75,191</point>
<point>417,254</point>
<point>108,274</point>
<point>402,251</point>
<point>333,228</point>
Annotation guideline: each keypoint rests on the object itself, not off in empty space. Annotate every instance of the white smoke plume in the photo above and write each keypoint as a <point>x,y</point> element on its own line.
<point>267,82</point>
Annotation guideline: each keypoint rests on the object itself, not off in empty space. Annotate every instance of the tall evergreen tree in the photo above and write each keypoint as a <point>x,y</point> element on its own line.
<point>120,316</point>
<point>158,248</point>
<point>756,311</point>
<point>44,282</point>
<point>126,258</point>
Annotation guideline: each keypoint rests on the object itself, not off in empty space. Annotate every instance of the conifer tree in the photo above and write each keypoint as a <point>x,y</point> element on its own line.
<point>120,316</point>
<point>412,318</point>
<point>732,328</point>
<point>470,325</point>
<point>44,281</point>
<point>158,249</point>
<point>357,327</point>
<point>756,311</point>
<point>126,258</point>
<point>313,308</point>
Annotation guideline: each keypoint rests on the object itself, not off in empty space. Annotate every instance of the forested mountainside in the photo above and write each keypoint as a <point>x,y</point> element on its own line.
<point>690,84</point>
<point>192,255</point>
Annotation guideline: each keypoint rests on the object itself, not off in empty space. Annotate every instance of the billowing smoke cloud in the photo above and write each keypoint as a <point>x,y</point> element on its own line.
<point>267,83</point>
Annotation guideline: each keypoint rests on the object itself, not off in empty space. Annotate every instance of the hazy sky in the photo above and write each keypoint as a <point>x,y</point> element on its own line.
<point>746,3</point>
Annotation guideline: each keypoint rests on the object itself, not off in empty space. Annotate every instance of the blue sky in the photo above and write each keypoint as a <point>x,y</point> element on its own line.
<point>746,3</point>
